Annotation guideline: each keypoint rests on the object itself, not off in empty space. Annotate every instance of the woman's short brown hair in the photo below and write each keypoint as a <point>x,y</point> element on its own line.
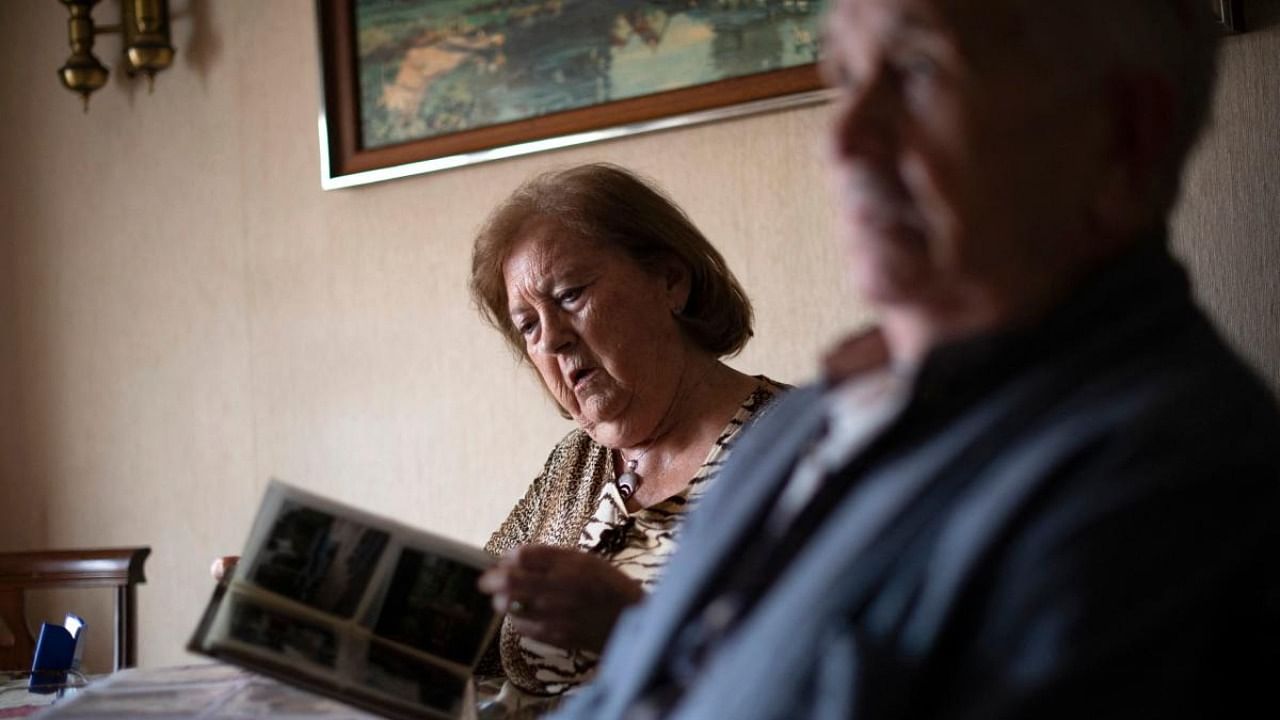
<point>612,205</point>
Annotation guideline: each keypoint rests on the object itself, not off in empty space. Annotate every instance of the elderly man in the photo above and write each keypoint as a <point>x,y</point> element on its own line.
<point>1045,488</point>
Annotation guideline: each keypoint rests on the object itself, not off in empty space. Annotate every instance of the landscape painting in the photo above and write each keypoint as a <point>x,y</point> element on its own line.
<point>429,67</point>
<point>467,75</point>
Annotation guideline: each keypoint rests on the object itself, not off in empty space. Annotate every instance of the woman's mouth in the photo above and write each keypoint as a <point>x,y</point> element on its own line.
<point>580,376</point>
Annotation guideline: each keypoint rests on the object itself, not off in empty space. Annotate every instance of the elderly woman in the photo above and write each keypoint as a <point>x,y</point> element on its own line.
<point>624,310</point>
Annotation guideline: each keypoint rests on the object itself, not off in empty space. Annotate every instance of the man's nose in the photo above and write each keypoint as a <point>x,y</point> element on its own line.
<point>865,122</point>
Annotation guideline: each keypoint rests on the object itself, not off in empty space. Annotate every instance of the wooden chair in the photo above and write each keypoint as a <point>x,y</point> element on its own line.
<point>120,568</point>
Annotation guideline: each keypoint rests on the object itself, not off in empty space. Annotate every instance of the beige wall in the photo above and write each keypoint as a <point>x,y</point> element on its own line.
<point>185,314</point>
<point>15,527</point>
<point>1228,227</point>
<point>194,315</point>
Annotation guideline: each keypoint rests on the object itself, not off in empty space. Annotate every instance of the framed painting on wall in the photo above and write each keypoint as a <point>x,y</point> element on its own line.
<point>416,86</point>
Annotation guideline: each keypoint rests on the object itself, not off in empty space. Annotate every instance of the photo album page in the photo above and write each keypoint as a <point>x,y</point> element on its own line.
<point>353,606</point>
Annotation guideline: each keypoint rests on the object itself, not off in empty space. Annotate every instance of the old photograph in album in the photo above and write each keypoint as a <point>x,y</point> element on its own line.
<point>353,606</point>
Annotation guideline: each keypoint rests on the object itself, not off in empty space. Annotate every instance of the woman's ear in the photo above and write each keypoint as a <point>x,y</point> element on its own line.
<point>678,284</point>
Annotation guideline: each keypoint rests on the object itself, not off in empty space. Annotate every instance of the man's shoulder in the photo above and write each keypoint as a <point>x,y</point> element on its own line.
<point>1172,435</point>
<point>773,413</point>
<point>1190,385</point>
<point>1135,348</point>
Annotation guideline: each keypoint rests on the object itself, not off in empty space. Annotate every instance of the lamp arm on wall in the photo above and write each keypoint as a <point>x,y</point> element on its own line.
<point>147,49</point>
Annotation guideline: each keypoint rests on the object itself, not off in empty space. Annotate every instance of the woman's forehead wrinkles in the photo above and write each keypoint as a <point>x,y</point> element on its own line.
<point>538,274</point>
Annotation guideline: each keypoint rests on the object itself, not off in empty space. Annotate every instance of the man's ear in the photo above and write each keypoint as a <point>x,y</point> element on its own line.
<point>1142,113</point>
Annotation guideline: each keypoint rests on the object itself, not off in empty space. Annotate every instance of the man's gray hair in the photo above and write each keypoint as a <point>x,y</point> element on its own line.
<point>1174,39</point>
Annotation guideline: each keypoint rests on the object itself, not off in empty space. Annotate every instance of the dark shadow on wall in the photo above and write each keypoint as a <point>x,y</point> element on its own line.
<point>1261,14</point>
<point>201,47</point>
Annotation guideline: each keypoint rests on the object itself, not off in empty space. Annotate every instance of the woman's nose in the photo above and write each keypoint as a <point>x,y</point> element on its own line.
<point>557,335</point>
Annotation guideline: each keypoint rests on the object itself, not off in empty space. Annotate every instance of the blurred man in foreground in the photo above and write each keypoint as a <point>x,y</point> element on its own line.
<point>1044,487</point>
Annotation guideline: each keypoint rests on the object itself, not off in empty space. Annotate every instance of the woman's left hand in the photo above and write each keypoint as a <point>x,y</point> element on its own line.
<point>560,596</point>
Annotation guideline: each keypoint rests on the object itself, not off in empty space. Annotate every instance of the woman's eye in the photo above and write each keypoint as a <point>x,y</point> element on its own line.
<point>568,296</point>
<point>526,328</point>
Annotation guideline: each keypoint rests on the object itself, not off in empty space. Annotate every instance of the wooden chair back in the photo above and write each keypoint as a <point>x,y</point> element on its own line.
<point>119,568</point>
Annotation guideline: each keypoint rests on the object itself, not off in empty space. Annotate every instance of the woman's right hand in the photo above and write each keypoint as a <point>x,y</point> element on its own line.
<point>223,567</point>
<point>562,596</point>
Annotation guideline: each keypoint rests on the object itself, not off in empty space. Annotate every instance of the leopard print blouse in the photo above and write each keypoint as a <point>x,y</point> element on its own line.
<point>574,502</point>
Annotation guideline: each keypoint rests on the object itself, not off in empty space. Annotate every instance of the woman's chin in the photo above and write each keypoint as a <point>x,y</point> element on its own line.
<point>612,433</point>
<point>593,418</point>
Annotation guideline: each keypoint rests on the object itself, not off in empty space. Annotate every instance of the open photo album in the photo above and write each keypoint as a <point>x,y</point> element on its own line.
<point>353,606</point>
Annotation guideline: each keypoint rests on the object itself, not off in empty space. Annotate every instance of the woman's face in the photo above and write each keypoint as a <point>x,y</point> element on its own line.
<point>600,329</point>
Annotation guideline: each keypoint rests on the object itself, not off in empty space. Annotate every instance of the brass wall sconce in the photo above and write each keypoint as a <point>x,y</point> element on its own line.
<point>145,27</point>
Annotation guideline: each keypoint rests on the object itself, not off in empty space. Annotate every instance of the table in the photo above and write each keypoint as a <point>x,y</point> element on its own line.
<point>209,691</point>
<point>16,701</point>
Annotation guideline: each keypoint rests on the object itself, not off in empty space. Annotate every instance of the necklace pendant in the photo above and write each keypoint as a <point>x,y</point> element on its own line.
<point>627,484</point>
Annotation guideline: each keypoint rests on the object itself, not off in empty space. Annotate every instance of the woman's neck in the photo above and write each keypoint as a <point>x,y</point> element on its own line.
<point>707,397</point>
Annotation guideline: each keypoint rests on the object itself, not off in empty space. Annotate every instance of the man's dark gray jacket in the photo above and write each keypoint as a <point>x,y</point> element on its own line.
<point>1081,523</point>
